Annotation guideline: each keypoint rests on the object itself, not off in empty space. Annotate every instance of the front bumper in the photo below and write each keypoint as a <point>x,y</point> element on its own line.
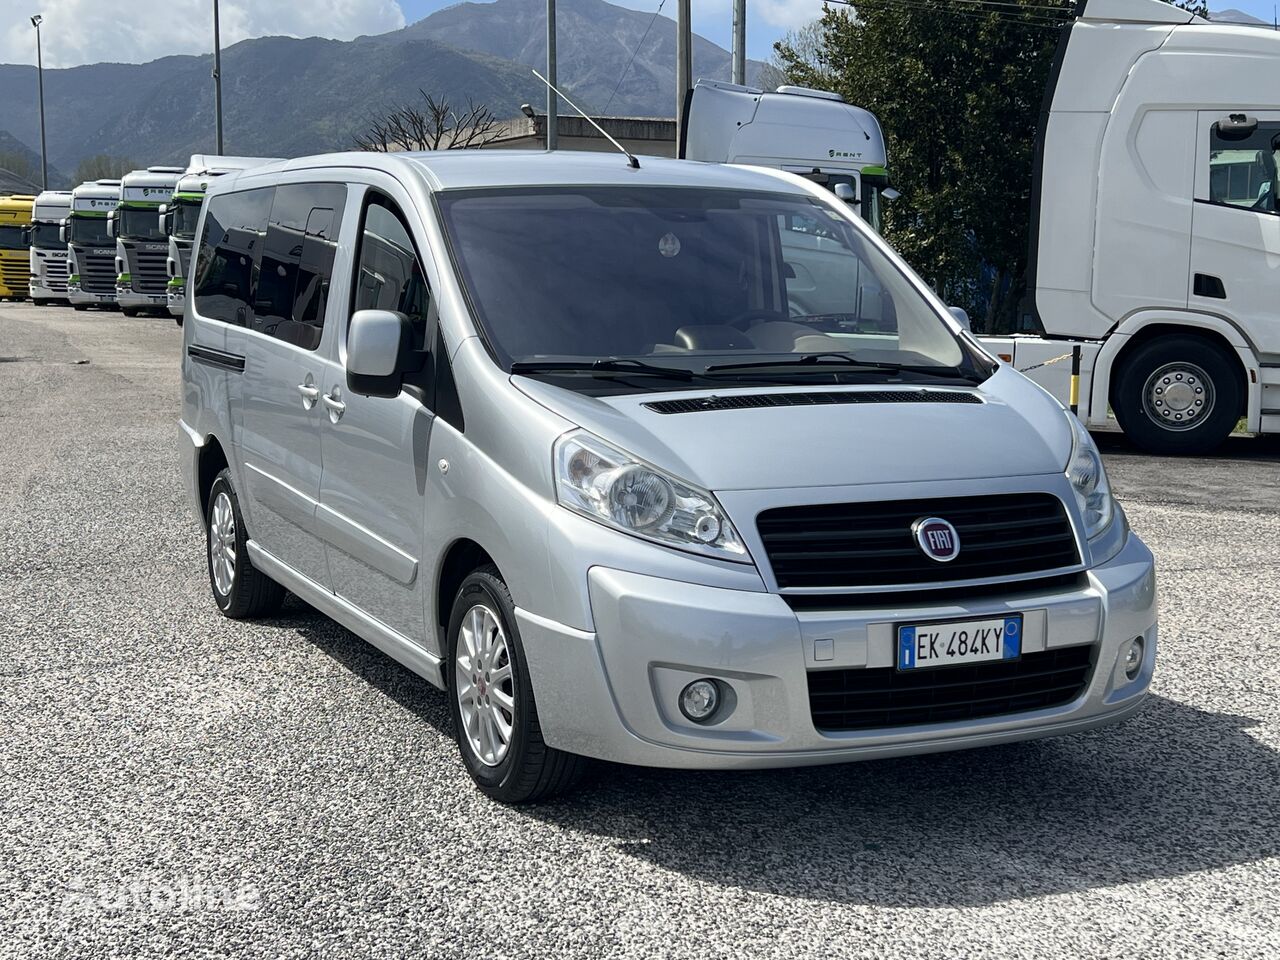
<point>126,296</point>
<point>76,295</point>
<point>612,693</point>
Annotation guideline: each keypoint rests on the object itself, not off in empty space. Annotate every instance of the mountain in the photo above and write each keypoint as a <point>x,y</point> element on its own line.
<point>594,42</point>
<point>1236,16</point>
<point>20,166</point>
<point>290,97</point>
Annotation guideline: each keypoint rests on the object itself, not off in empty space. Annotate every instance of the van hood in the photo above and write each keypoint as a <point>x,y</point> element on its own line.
<point>1017,430</point>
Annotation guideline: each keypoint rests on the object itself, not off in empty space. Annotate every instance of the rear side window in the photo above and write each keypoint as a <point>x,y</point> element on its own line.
<point>389,276</point>
<point>297,262</point>
<point>225,276</point>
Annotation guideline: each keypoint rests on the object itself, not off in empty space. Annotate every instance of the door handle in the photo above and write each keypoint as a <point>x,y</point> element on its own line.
<point>335,404</point>
<point>310,394</point>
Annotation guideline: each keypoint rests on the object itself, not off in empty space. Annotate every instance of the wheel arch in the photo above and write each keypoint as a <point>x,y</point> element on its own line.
<point>1140,329</point>
<point>212,460</point>
<point>462,556</point>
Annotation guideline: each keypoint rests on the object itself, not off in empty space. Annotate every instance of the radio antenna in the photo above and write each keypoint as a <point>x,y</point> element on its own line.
<point>631,160</point>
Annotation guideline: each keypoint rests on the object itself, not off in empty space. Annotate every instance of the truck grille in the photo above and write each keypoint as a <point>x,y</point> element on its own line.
<point>55,274</point>
<point>861,698</point>
<point>149,273</point>
<point>871,544</point>
<point>97,274</point>
<point>15,274</point>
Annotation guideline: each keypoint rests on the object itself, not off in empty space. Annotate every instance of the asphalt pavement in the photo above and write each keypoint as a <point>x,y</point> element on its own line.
<point>174,782</point>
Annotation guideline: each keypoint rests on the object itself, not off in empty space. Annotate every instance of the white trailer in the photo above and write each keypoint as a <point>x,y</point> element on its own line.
<point>141,247</point>
<point>48,251</point>
<point>179,215</point>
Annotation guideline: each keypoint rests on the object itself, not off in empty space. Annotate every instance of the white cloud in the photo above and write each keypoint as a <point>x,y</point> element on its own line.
<point>135,31</point>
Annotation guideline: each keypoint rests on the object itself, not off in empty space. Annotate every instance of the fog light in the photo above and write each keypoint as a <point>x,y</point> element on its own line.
<point>1132,655</point>
<point>698,701</point>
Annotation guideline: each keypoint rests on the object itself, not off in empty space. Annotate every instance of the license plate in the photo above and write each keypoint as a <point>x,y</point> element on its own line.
<point>922,645</point>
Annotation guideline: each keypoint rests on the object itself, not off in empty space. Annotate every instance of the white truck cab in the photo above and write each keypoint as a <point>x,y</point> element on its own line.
<point>48,251</point>
<point>141,246</point>
<point>813,133</point>
<point>91,253</point>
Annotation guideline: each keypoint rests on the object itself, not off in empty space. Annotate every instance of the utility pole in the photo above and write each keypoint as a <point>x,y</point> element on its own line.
<point>740,41</point>
<point>684,67</point>
<point>44,153</point>
<point>217,78</point>
<point>552,99</point>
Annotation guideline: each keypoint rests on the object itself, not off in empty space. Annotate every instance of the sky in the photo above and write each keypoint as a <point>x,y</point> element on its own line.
<point>155,28</point>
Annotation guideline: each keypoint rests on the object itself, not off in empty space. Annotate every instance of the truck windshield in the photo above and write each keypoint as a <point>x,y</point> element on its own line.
<point>185,215</point>
<point>88,230</point>
<point>139,224</point>
<point>11,237</point>
<point>707,280</point>
<point>44,236</point>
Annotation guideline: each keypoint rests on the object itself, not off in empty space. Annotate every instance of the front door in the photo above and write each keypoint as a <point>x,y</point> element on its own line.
<point>372,495</point>
<point>1235,243</point>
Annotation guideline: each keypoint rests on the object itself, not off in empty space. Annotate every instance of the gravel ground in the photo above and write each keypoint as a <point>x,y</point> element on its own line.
<point>173,782</point>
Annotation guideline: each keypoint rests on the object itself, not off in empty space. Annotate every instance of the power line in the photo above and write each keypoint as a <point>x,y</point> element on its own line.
<point>617,86</point>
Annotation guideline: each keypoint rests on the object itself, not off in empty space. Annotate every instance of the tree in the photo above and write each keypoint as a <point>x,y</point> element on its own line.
<point>102,166</point>
<point>958,91</point>
<point>434,125</point>
<point>20,165</point>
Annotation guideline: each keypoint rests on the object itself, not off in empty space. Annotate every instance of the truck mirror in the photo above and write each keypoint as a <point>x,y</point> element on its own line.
<point>111,224</point>
<point>62,232</point>
<point>962,316</point>
<point>1235,127</point>
<point>163,218</point>
<point>845,192</point>
<point>890,194</point>
<point>26,236</point>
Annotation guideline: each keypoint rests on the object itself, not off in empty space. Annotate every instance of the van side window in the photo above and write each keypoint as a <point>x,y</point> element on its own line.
<point>225,275</point>
<point>389,276</point>
<point>1242,173</point>
<point>297,262</point>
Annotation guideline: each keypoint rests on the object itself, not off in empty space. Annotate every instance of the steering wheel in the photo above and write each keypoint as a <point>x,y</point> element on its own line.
<point>749,318</point>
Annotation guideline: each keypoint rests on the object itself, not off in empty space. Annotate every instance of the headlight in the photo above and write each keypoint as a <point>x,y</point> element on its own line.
<point>1089,480</point>
<point>609,486</point>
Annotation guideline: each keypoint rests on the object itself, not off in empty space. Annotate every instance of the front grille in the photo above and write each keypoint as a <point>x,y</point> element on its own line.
<point>55,274</point>
<point>15,275</point>
<point>871,544</point>
<point>751,401</point>
<point>862,699</point>
<point>149,272</point>
<point>97,273</point>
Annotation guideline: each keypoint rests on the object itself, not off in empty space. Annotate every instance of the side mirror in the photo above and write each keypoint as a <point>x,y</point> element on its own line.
<point>845,192</point>
<point>62,232</point>
<point>26,236</point>
<point>111,224</point>
<point>962,317</point>
<point>890,194</point>
<point>163,221</point>
<point>378,344</point>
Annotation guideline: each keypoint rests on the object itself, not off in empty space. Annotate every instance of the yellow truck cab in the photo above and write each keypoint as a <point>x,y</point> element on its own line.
<point>15,261</point>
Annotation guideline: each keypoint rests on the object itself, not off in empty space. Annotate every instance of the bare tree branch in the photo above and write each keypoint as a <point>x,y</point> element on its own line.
<point>431,125</point>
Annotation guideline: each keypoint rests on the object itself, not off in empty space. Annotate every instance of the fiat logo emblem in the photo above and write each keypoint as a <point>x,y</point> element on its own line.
<point>937,538</point>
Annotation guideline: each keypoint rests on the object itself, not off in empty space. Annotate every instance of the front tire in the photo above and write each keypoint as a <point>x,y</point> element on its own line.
<point>491,700</point>
<point>130,311</point>
<point>239,589</point>
<point>1179,394</point>
<point>80,307</point>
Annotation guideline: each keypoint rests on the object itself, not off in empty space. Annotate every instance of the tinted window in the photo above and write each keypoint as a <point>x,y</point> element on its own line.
<point>297,262</point>
<point>226,269</point>
<point>389,276</point>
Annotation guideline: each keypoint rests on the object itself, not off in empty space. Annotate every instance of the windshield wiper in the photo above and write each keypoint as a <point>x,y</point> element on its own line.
<point>843,359</point>
<point>602,366</point>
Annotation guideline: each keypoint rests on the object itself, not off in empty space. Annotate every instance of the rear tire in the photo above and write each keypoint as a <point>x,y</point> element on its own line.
<point>491,700</point>
<point>1179,394</point>
<point>130,311</point>
<point>239,590</point>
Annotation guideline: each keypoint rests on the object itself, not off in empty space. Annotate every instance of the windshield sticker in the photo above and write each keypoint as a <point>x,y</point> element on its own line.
<point>669,245</point>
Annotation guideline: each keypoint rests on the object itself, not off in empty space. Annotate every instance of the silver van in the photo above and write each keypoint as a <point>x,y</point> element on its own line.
<point>678,466</point>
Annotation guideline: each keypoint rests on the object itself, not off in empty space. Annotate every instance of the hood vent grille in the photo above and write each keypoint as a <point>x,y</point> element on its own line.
<point>750,401</point>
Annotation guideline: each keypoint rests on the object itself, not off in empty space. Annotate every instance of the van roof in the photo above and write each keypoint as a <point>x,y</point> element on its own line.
<point>464,169</point>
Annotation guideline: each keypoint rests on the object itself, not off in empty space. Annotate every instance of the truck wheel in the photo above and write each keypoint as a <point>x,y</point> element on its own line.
<point>81,306</point>
<point>1179,394</point>
<point>240,590</point>
<point>491,700</point>
<point>130,311</point>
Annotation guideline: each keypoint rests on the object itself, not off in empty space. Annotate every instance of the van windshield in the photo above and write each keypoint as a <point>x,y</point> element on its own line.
<point>714,282</point>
